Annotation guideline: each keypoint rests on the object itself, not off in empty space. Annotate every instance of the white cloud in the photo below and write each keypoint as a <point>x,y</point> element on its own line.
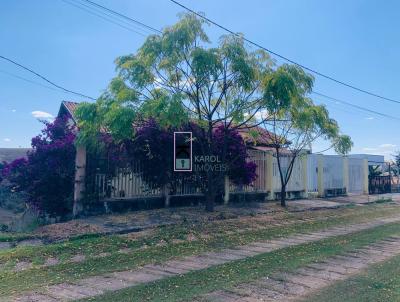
<point>259,115</point>
<point>7,140</point>
<point>262,114</point>
<point>42,115</point>
<point>370,118</point>
<point>387,146</point>
<point>367,149</point>
<point>386,150</point>
<point>13,110</point>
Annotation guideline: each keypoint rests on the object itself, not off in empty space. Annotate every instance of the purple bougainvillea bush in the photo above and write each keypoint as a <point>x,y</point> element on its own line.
<point>47,174</point>
<point>230,146</point>
<point>153,146</point>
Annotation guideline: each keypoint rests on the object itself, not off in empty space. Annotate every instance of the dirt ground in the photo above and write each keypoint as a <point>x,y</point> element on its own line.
<point>65,230</point>
<point>138,221</point>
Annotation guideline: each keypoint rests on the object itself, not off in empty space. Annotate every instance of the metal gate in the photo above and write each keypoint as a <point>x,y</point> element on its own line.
<point>379,184</point>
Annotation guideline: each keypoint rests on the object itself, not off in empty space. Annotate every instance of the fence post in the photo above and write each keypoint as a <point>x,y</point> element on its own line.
<point>269,176</point>
<point>365,170</point>
<point>226,189</point>
<point>79,184</point>
<point>305,176</point>
<point>346,174</point>
<point>167,197</point>
<point>321,189</point>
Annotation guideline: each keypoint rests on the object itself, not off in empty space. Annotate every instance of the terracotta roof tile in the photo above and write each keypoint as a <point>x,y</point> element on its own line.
<point>69,107</point>
<point>263,136</point>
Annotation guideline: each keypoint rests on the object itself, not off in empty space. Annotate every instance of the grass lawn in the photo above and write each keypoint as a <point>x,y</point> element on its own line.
<point>162,245</point>
<point>186,287</point>
<point>216,233</point>
<point>380,283</point>
<point>15,237</point>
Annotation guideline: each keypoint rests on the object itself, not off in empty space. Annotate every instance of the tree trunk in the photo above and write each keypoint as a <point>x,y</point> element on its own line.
<point>167,196</point>
<point>79,185</point>
<point>283,196</point>
<point>226,189</point>
<point>210,195</point>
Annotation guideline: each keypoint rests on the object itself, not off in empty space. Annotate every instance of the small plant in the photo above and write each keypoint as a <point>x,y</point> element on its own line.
<point>3,228</point>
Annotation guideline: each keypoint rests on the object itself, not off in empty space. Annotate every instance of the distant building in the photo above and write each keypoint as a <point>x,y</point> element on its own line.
<point>373,160</point>
<point>10,154</point>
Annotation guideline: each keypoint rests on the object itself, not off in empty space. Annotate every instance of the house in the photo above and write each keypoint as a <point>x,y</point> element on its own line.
<point>127,184</point>
<point>316,174</point>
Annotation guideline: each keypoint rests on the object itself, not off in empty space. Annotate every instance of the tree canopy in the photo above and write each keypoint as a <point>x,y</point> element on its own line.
<point>295,121</point>
<point>292,115</point>
<point>179,76</point>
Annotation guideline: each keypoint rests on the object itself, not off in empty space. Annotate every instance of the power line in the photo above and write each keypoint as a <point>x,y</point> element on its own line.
<point>124,16</point>
<point>158,31</point>
<point>334,105</point>
<point>109,19</point>
<point>10,74</point>
<point>338,106</point>
<point>285,58</point>
<point>28,80</point>
<point>45,79</point>
<point>356,106</point>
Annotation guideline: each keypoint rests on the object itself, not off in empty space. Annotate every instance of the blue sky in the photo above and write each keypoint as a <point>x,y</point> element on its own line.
<point>354,41</point>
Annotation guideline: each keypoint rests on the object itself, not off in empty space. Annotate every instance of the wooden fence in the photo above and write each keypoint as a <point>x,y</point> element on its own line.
<point>312,173</point>
<point>260,184</point>
<point>296,182</point>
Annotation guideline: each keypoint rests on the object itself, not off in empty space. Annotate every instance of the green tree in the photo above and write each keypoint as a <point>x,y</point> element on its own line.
<point>374,170</point>
<point>177,76</point>
<point>295,121</point>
